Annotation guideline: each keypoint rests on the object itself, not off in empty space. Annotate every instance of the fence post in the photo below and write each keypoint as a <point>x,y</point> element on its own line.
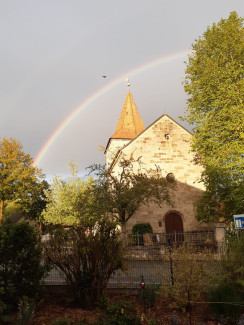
<point>171,262</point>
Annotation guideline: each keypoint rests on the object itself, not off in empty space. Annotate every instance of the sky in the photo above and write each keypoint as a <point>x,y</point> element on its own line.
<point>54,54</point>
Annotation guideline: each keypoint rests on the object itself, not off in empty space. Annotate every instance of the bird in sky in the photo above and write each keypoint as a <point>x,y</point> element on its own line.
<point>104,76</point>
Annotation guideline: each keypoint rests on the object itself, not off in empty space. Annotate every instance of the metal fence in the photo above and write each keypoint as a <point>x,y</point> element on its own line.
<point>146,255</point>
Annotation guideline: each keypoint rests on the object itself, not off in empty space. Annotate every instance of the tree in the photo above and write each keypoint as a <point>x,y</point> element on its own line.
<point>84,241</point>
<point>21,265</point>
<point>214,83</point>
<point>87,254</point>
<point>122,194</point>
<point>18,176</point>
<point>71,202</point>
<point>222,199</point>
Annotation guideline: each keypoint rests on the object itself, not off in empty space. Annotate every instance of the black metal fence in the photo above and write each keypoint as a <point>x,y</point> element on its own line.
<point>146,255</point>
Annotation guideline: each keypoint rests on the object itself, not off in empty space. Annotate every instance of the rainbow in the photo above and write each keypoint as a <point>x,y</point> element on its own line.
<point>100,92</point>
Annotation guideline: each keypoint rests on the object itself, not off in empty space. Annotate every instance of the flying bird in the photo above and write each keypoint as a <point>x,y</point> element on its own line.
<point>104,76</point>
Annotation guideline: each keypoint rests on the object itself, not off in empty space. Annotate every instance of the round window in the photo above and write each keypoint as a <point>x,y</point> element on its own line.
<point>170,178</point>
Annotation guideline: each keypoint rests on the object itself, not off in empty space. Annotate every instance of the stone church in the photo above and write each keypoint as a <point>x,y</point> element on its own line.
<point>167,144</point>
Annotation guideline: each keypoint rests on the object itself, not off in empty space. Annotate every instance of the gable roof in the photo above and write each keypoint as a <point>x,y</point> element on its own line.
<point>164,115</point>
<point>130,123</point>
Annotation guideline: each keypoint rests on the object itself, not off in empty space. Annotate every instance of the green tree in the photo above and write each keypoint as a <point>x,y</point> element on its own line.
<point>72,201</point>
<point>214,83</point>
<point>21,267</point>
<point>19,179</point>
<point>84,241</point>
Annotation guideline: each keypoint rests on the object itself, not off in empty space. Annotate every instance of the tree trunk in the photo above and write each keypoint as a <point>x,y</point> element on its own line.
<point>1,211</point>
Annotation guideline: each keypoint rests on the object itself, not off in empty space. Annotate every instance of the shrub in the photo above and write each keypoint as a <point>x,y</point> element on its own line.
<point>21,270</point>
<point>87,256</point>
<point>230,308</point>
<point>142,228</point>
<point>26,311</point>
<point>189,271</point>
<point>148,294</point>
<point>121,313</point>
<point>139,230</point>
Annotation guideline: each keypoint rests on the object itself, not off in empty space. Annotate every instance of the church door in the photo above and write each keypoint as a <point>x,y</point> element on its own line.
<point>174,228</point>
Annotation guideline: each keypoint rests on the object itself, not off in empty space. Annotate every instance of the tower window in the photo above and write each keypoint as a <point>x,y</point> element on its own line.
<point>167,136</point>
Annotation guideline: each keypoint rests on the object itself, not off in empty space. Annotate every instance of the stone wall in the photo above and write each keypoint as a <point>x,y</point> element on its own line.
<point>167,144</point>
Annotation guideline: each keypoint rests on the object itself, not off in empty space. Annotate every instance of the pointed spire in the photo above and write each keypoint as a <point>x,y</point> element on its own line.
<point>130,123</point>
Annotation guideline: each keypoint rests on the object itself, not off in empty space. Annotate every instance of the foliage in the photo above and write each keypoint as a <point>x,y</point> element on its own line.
<point>148,294</point>
<point>88,254</point>
<point>21,269</point>
<point>16,211</point>
<point>70,321</point>
<point>226,294</point>
<point>232,262</point>
<point>142,228</point>
<point>189,272</point>
<point>63,321</point>
<point>26,311</point>
<point>19,179</point>
<point>121,313</point>
<point>226,303</point>
<point>214,83</point>
<point>39,202</point>
<point>70,202</point>
<point>123,193</point>
<point>222,199</point>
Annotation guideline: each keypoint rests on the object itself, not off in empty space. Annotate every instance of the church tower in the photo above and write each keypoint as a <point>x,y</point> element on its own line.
<point>130,125</point>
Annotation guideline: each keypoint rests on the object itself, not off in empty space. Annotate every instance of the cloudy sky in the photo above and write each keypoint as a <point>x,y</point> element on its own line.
<point>53,54</point>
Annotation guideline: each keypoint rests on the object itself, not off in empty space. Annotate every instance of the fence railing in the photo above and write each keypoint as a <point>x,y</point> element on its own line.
<point>145,255</point>
<point>194,237</point>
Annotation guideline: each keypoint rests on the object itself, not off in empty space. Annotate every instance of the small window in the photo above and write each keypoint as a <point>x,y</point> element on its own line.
<point>160,223</point>
<point>167,136</point>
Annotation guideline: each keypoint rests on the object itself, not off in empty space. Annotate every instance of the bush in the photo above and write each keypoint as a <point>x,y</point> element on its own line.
<point>26,311</point>
<point>139,230</point>
<point>21,270</point>
<point>142,228</point>
<point>87,256</point>
<point>189,272</point>
<point>148,294</point>
<point>121,313</point>
<point>230,308</point>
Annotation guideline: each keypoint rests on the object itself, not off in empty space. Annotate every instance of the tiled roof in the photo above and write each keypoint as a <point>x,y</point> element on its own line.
<point>130,123</point>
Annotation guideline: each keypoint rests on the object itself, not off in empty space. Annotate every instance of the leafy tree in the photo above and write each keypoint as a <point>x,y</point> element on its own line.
<point>21,267</point>
<point>15,211</point>
<point>214,83</point>
<point>84,243</point>
<point>18,177</point>
<point>39,201</point>
<point>72,201</point>
<point>122,194</point>
<point>222,199</point>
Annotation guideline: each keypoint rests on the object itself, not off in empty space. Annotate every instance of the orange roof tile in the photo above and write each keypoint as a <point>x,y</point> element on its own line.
<point>130,123</point>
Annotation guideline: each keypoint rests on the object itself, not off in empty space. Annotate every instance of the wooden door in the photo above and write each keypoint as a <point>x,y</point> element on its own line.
<point>174,228</point>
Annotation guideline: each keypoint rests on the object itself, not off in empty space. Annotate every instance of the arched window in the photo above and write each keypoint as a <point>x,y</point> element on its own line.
<point>174,227</point>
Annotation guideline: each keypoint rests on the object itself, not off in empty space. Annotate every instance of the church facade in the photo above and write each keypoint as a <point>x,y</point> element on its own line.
<point>167,144</point>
